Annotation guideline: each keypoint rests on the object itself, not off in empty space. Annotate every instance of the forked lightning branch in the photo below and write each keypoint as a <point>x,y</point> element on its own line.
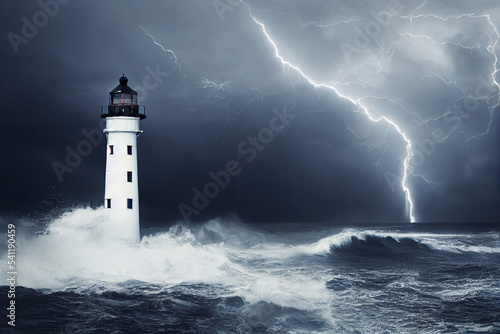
<point>11,274</point>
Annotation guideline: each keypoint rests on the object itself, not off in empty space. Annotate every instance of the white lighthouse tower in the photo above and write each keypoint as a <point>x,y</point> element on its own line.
<point>121,195</point>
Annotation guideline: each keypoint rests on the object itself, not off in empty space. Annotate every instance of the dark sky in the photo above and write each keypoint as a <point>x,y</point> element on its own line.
<point>334,111</point>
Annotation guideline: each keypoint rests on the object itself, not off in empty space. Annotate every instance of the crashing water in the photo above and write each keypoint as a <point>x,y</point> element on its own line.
<point>228,277</point>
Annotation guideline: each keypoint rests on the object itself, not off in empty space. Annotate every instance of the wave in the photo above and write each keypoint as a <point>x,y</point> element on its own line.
<point>374,243</point>
<point>79,252</point>
<point>81,247</point>
<point>378,246</point>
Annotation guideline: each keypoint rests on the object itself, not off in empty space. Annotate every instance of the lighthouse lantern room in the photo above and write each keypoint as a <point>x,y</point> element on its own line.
<point>121,194</point>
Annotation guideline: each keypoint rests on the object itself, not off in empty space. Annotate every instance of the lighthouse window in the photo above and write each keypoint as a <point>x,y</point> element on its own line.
<point>110,149</point>
<point>108,203</point>
<point>129,203</point>
<point>129,149</point>
<point>129,176</point>
<point>121,99</point>
<point>117,99</point>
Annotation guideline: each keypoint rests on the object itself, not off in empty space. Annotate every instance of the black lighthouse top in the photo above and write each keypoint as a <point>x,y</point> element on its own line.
<point>123,102</point>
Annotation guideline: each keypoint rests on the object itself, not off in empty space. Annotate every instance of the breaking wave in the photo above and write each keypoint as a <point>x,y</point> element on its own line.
<point>378,244</point>
<point>78,252</point>
<point>79,249</point>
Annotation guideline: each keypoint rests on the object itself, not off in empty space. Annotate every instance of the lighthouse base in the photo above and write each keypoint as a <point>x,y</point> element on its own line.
<point>123,231</point>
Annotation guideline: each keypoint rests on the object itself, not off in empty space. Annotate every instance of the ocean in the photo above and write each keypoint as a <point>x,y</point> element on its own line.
<point>224,276</point>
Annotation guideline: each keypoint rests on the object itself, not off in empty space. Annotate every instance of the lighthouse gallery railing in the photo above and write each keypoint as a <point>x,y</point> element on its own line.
<point>123,110</point>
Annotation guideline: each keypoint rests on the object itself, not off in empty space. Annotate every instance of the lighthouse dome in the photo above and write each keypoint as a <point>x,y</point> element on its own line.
<point>123,88</point>
<point>123,80</point>
<point>123,101</point>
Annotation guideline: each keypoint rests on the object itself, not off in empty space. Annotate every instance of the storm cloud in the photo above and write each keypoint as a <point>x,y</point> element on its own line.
<point>331,111</point>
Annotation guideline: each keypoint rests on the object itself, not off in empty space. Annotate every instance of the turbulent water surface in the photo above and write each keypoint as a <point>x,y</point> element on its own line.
<point>227,277</point>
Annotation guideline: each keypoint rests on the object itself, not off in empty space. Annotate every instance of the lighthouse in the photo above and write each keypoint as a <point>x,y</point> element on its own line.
<point>121,194</point>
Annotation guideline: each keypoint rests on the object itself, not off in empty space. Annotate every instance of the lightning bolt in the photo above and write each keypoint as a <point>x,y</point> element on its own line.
<point>358,104</point>
<point>172,54</point>
<point>350,82</point>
